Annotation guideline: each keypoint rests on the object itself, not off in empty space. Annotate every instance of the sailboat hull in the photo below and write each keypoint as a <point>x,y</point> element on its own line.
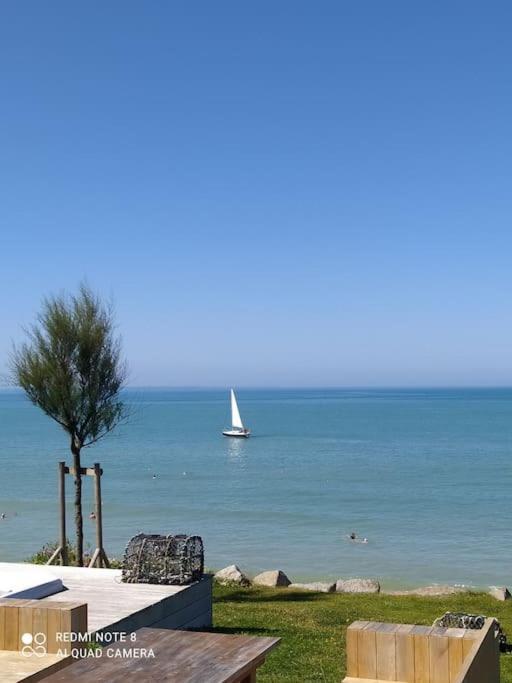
<point>237,426</point>
<point>237,433</point>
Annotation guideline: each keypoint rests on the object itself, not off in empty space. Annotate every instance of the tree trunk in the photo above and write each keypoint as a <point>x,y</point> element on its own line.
<point>78,507</point>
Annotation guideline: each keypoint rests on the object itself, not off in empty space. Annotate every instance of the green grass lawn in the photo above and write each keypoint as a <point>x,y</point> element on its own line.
<point>312,625</point>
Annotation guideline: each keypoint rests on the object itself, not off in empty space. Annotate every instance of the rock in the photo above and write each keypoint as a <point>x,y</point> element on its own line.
<point>500,593</point>
<point>431,591</point>
<point>357,586</point>
<point>232,574</point>
<point>274,578</point>
<point>317,586</point>
<point>438,590</point>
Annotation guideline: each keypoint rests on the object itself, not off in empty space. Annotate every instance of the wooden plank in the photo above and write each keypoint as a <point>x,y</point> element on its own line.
<point>455,653</point>
<point>11,633</point>
<point>385,644</point>
<point>404,644</point>
<point>25,621</point>
<point>367,652</point>
<point>73,620</point>
<point>85,471</point>
<point>54,628</point>
<point>40,621</point>
<point>2,627</point>
<point>438,656</point>
<point>469,642</point>
<point>177,619</point>
<point>421,654</point>
<point>351,647</point>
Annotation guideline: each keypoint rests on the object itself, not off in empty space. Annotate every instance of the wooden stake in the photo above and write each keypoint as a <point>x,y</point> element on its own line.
<point>62,496</point>
<point>94,558</point>
<point>99,556</point>
<point>62,550</point>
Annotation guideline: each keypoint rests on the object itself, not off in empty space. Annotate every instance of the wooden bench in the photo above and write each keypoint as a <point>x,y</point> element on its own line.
<point>51,622</point>
<point>403,653</point>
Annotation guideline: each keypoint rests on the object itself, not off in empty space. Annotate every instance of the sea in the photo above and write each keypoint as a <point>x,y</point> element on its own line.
<point>424,474</point>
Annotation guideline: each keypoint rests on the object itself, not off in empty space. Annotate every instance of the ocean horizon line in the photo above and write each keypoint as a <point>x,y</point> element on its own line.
<point>312,387</point>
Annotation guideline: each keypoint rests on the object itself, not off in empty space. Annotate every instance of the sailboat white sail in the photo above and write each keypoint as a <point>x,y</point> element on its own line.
<point>237,426</point>
<point>236,420</point>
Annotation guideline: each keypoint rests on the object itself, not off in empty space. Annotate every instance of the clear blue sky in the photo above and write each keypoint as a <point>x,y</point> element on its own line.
<point>274,193</point>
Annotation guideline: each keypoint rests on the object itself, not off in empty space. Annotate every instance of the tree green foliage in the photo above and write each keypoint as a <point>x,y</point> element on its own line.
<point>71,367</point>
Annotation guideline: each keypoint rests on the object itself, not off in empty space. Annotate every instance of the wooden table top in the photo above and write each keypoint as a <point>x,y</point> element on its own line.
<point>179,657</point>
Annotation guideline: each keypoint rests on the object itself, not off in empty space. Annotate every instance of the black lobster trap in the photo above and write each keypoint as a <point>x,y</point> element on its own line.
<point>169,560</point>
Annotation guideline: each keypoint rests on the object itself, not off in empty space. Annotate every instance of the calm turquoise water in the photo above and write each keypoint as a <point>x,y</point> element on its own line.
<point>424,474</point>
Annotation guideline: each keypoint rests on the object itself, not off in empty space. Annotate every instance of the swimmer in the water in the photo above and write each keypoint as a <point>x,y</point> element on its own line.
<point>3,515</point>
<point>353,536</point>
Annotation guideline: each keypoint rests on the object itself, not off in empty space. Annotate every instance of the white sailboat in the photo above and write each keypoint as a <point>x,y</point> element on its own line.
<point>237,426</point>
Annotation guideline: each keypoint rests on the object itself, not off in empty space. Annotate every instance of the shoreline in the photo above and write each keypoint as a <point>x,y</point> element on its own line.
<point>360,583</point>
<point>386,586</point>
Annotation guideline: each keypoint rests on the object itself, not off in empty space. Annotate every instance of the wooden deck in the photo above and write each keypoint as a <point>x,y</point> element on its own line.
<point>115,606</point>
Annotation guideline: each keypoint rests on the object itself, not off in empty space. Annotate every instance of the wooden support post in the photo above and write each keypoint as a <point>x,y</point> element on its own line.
<point>99,556</point>
<point>62,550</point>
<point>62,496</point>
<point>97,498</point>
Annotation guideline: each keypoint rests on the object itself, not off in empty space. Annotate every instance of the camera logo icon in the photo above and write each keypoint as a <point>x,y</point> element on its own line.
<point>33,644</point>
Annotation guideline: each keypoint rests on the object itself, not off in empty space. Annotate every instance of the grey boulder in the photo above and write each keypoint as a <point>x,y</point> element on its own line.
<point>357,586</point>
<point>232,574</point>
<point>274,578</point>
